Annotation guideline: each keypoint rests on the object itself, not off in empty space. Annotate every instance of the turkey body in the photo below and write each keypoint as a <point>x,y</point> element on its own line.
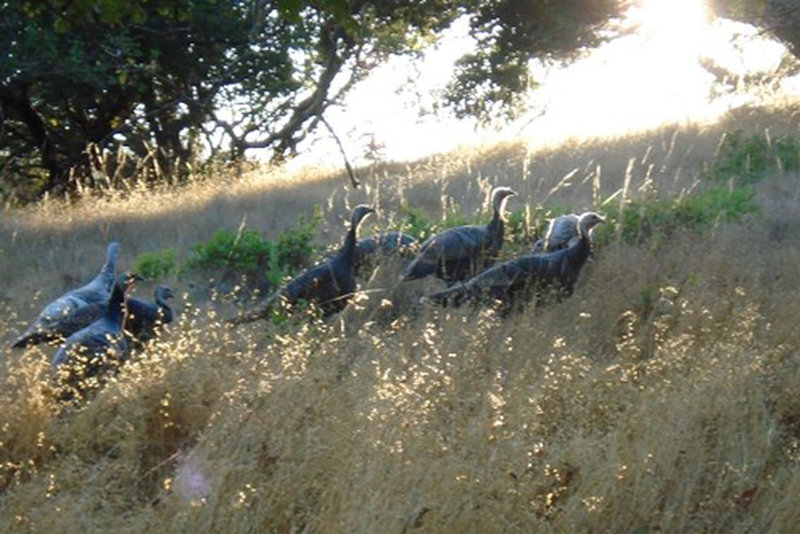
<point>561,233</point>
<point>97,347</point>
<point>461,252</point>
<point>75,309</point>
<point>144,318</point>
<point>522,278</point>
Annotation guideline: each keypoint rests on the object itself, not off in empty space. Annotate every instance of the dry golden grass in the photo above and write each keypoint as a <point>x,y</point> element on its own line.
<point>610,412</point>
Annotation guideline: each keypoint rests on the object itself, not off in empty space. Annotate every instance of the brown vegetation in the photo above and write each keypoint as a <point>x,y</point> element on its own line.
<point>663,396</point>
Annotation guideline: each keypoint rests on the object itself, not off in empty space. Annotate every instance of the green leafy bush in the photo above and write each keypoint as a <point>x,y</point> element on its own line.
<point>516,228</point>
<point>454,217</point>
<point>293,249</point>
<point>639,220</point>
<point>242,251</point>
<point>247,252</point>
<point>415,223</point>
<point>747,160</point>
<point>294,246</point>
<point>156,264</point>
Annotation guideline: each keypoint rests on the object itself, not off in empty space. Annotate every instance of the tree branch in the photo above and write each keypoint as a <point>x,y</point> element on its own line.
<point>350,173</point>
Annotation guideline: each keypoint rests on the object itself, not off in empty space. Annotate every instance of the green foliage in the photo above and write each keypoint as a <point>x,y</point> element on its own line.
<point>293,248</point>
<point>646,300</point>
<point>247,252</point>
<point>146,76</point>
<point>243,251</point>
<point>156,264</point>
<point>517,229</point>
<point>454,217</point>
<point>747,160</point>
<point>415,223</point>
<point>640,220</point>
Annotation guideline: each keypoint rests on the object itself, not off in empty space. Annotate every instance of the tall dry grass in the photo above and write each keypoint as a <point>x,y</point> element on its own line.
<point>663,396</point>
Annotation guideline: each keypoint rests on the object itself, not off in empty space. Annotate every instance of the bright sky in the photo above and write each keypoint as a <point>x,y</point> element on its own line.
<point>637,82</point>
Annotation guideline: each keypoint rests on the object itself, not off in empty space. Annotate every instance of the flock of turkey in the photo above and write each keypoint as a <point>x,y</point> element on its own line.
<point>99,323</point>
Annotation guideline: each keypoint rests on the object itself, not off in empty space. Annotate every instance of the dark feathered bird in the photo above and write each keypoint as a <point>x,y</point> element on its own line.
<point>144,318</point>
<point>460,252</point>
<point>329,285</point>
<point>99,346</point>
<point>529,275</point>
<point>63,316</point>
<point>386,244</point>
<point>561,233</point>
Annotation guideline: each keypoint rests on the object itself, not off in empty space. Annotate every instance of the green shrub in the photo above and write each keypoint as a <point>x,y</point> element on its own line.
<point>242,251</point>
<point>454,217</point>
<point>639,220</point>
<point>415,223</point>
<point>156,264</point>
<point>294,246</point>
<point>748,160</point>
<point>293,249</point>
<point>517,231</point>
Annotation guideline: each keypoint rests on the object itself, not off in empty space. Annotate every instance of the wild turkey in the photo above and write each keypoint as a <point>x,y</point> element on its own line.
<point>526,276</point>
<point>386,244</point>
<point>561,233</point>
<point>460,252</point>
<point>329,284</point>
<point>144,318</point>
<point>59,319</point>
<point>99,346</point>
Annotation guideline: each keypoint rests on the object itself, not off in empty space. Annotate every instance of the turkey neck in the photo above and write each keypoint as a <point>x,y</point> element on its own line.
<point>166,311</point>
<point>111,259</point>
<point>496,224</point>
<point>349,246</point>
<point>580,250</point>
<point>115,306</point>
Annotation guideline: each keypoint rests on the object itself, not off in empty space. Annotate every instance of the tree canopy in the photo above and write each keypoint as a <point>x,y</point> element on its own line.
<point>150,78</point>
<point>149,75</point>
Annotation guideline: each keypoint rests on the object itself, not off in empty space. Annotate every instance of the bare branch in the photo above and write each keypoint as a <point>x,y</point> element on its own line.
<point>350,173</point>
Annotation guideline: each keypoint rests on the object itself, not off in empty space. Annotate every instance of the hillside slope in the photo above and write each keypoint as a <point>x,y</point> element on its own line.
<point>662,396</point>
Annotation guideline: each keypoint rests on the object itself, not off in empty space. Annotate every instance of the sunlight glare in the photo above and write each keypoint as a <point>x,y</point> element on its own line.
<point>636,82</point>
<point>652,75</point>
<point>668,16</point>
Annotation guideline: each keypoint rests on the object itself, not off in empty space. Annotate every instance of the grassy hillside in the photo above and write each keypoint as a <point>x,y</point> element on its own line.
<point>663,396</point>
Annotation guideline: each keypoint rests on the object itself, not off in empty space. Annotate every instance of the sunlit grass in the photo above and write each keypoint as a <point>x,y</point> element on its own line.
<point>661,396</point>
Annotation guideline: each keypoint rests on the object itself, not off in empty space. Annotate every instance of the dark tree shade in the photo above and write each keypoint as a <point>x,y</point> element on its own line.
<point>82,76</point>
